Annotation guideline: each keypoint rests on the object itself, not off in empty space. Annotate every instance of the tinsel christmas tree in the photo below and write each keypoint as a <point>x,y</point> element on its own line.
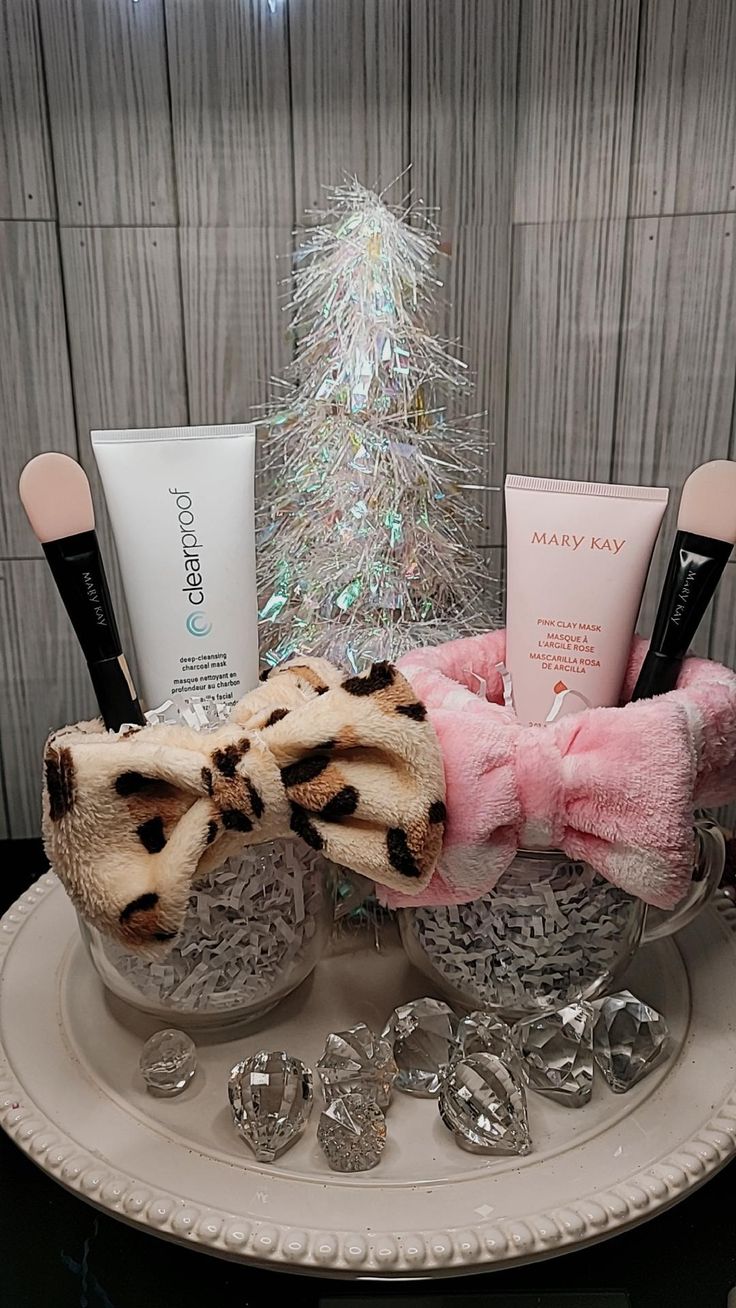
<point>364,544</point>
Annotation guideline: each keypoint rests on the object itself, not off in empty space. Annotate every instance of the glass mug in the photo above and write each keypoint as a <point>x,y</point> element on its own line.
<point>254,930</point>
<point>551,933</point>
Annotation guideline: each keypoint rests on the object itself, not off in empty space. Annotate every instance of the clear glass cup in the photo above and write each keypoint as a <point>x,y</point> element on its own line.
<point>551,933</point>
<point>255,928</point>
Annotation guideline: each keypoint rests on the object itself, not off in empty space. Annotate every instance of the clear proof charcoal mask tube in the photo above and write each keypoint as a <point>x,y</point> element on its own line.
<point>578,557</point>
<point>181,506</point>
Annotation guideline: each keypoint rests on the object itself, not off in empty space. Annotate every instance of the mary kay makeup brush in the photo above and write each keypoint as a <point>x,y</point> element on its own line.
<point>706,531</point>
<point>55,494</point>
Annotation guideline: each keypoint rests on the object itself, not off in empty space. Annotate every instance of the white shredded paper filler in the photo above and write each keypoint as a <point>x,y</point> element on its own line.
<point>541,942</point>
<point>247,928</point>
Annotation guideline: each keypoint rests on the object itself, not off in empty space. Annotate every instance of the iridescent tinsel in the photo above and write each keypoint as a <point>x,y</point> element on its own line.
<point>363,546</point>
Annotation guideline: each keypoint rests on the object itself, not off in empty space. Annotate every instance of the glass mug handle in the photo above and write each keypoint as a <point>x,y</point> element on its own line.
<point>710,860</point>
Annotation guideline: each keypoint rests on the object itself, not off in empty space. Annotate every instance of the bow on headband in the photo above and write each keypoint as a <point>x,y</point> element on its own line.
<point>616,787</point>
<point>348,764</point>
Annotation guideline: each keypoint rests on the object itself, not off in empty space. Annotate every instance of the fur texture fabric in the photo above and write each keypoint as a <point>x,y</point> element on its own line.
<point>374,770</point>
<point>348,764</point>
<point>616,787</point>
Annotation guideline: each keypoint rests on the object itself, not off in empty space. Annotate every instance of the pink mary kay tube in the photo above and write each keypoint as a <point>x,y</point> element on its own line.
<point>578,557</point>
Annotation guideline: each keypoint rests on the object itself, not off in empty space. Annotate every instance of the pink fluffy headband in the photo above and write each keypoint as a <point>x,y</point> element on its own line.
<point>616,787</point>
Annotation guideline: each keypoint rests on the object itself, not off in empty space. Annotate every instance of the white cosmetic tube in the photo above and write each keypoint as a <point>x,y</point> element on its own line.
<point>181,503</point>
<point>578,557</point>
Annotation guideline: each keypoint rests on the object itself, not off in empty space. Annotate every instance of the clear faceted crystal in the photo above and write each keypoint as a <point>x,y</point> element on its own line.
<point>422,1036</point>
<point>352,1133</point>
<point>630,1039</point>
<point>357,1061</point>
<point>558,1054</point>
<point>271,1098</point>
<point>168,1062</point>
<point>483,1103</point>
<point>484,1033</point>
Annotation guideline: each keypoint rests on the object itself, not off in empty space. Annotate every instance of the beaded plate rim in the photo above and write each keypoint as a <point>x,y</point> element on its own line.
<point>351,1253</point>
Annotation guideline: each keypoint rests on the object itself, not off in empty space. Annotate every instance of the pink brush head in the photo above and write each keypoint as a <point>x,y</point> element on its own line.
<point>708,504</point>
<point>55,494</point>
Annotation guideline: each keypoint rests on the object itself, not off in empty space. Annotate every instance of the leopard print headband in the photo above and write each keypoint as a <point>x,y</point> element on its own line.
<point>349,765</point>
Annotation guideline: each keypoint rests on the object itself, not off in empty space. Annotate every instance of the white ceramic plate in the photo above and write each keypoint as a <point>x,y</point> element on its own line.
<point>70,1096</point>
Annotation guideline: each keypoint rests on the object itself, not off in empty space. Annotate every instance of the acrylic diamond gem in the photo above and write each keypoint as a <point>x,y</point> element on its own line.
<point>352,1133</point>
<point>557,1053</point>
<point>480,1033</point>
<point>422,1036</point>
<point>271,1099</point>
<point>168,1062</point>
<point>484,1105</point>
<point>630,1039</point>
<point>357,1061</point>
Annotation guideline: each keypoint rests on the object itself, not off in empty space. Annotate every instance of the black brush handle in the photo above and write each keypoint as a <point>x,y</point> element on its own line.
<point>77,568</point>
<point>694,570</point>
<point>115,693</point>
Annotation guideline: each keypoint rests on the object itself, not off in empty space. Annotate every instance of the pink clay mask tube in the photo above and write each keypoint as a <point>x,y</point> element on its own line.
<point>578,557</point>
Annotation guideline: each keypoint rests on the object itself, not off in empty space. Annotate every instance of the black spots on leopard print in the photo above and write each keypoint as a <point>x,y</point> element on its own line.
<point>322,747</point>
<point>437,812</point>
<point>234,820</point>
<point>256,799</point>
<point>152,835</point>
<point>378,677</point>
<point>143,904</point>
<point>61,784</point>
<point>302,825</point>
<point>416,711</point>
<point>226,760</point>
<point>342,805</point>
<point>312,678</point>
<point>305,769</point>
<point>277,716</point>
<point>390,690</point>
<point>131,783</point>
<point>207,780</point>
<point>399,853</point>
<point>396,696</point>
<point>139,905</point>
<point>134,783</point>
<point>211,831</point>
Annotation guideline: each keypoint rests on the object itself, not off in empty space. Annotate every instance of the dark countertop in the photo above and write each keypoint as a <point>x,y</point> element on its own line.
<point>57,1252</point>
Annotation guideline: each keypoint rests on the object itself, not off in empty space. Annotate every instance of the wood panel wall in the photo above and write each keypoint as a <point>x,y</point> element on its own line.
<point>155,156</point>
